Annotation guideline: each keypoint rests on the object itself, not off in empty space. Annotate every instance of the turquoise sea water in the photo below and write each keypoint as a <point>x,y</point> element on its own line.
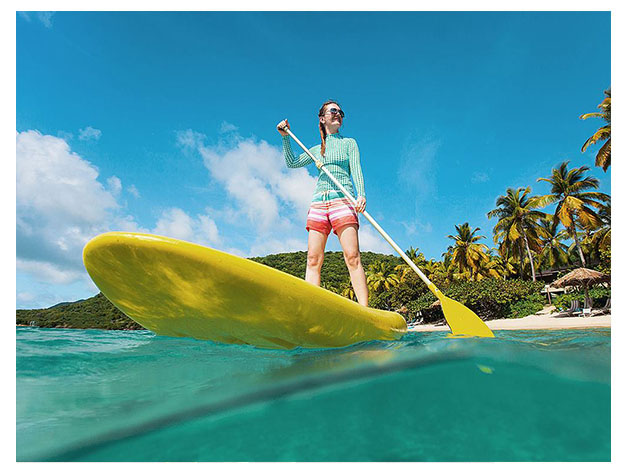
<point>91,395</point>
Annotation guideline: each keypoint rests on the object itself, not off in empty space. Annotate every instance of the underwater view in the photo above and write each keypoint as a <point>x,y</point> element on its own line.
<point>96,395</point>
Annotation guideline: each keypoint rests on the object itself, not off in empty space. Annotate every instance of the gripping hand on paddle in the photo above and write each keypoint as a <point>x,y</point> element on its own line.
<point>284,124</point>
<point>361,204</point>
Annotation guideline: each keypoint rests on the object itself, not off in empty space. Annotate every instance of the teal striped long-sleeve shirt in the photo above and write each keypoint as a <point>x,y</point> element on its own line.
<point>341,158</point>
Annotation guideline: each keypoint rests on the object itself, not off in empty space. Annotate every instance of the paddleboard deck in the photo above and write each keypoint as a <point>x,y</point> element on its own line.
<point>176,288</point>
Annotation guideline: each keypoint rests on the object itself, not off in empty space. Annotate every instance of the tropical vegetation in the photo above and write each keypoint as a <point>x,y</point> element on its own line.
<point>467,254</point>
<point>575,205</point>
<point>599,295</point>
<point>519,225</point>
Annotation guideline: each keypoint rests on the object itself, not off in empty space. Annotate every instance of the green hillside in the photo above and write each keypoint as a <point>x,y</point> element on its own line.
<point>94,312</point>
<point>334,271</point>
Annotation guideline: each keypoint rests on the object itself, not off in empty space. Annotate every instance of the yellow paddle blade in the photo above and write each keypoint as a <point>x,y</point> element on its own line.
<point>462,320</point>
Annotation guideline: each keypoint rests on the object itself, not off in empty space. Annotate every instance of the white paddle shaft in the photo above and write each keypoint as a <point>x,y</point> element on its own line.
<point>385,235</point>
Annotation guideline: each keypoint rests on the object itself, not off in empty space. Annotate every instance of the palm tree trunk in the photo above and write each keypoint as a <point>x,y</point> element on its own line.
<point>521,260</point>
<point>533,270</point>
<point>573,230</point>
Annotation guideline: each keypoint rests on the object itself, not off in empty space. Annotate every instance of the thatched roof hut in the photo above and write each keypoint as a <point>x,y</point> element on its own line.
<point>583,277</point>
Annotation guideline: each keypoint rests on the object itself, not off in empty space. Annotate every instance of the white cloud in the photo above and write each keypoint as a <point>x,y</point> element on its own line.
<point>67,136</point>
<point>236,251</point>
<point>48,272</point>
<point>277,246</point>
<point>427,228</point>
<point>60,205</point>
<point>133,191</point>
<point>188,139</point>
<point>29,299</point>
<point>413,227</point>
<point>41,294</point>
<point>45,18</point>
<point>479,177</point>
<point>255,176</point>
<point>25,297</point>
<point>415,172</point>
<point>176,223</point>
<point>371,240</point>
<point>57,183</point>
<point>115,185</point>
<point>89,133</point>
<point>208,228</point>
<point>227,127</point>
<point>126,223</point>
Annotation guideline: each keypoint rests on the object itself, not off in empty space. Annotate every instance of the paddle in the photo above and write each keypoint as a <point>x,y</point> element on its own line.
<point>460,319</point>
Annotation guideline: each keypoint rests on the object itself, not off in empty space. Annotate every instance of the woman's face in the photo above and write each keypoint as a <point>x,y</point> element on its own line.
<point>332,121</point>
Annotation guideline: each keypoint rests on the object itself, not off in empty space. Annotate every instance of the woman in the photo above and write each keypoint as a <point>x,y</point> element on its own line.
<point>330,209</point>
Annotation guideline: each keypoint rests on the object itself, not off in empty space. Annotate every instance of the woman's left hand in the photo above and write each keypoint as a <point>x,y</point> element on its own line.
<point>361,204</point>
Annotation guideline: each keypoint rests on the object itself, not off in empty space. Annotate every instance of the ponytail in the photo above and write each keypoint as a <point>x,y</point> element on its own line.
<point>323,136</point>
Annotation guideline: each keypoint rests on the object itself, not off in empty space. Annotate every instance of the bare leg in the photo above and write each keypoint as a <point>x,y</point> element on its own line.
<point>315,256</point>
<point>350,245</point>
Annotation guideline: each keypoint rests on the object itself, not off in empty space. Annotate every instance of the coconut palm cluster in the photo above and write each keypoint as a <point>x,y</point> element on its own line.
<point>528,239</point>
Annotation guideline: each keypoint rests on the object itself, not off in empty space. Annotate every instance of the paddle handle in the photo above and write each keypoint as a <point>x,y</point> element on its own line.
<point>385,235</point>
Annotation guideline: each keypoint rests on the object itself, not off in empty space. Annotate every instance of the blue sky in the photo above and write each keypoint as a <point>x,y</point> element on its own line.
<point>165,123</point>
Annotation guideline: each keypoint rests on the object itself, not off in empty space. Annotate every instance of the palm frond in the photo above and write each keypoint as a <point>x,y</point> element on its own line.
<point>604,156</point>
<point>591,114</point>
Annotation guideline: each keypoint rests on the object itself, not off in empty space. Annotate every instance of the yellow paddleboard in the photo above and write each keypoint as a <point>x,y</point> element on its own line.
<point>176,288</point>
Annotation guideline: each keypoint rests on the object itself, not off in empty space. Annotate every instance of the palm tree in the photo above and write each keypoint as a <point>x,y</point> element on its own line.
<point>518,220</point>
<point>347,291</point>
<point>554,252</point>
<point>488,268</point>
<point>604,155</point>
<point>573,203</point>
<point>466,252</point>
<point>602,237</point>
<point>431,268</point>
<point>499,267</point>
<point>505,266</point>
<point>380,276</point>
<point>415,255</point>
<point>403,270</point>
<point>599,239</point>
<point>447,268</point>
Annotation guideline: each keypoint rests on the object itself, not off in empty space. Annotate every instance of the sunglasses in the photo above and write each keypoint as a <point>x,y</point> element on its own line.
<point>334,111</point>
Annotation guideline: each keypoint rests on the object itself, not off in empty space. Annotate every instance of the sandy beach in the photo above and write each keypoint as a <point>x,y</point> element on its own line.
<point>543,320</point>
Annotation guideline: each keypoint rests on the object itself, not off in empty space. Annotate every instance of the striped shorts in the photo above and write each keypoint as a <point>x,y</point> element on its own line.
<point>333,214</point>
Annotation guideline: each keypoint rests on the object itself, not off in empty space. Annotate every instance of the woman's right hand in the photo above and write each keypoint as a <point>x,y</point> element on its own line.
<point>282,125</point>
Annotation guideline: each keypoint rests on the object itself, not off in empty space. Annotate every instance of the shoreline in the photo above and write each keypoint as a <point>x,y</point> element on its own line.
<point>87,328</point>
<point>543,320</point>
